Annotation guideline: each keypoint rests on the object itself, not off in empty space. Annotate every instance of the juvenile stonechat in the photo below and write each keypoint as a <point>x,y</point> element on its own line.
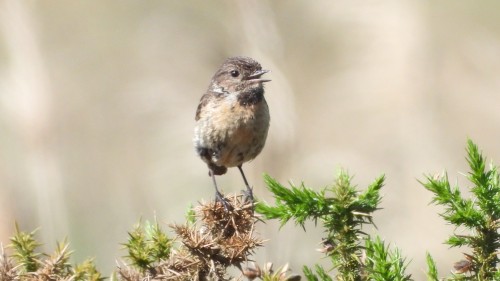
<point>232,119</point>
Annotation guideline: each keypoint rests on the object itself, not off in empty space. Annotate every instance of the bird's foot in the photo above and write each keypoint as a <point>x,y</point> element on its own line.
<point>248,195</point>
<point>227,206</point>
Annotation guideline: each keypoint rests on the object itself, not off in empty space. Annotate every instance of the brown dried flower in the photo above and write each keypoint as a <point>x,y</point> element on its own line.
<point>217,240</point>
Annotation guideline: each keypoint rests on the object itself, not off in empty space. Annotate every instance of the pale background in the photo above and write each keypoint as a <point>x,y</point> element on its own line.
<point>97,103</point>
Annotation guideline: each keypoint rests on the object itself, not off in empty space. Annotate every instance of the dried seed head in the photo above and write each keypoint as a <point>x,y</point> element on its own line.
<point>216,240</point>
<point>464,266</point>
<point>252,273</point>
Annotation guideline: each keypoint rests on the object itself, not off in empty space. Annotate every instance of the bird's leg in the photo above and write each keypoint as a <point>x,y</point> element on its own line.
<point>249,192</point>
<point>218,196</point>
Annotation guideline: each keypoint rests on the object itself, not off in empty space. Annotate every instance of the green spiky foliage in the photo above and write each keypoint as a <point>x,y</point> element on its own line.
<point>148,245</point>
<point>342,211</point>
<point>476,217</point>
<point>432,273</point>
<point>24,245</point>
<point>383,263</point>
<point>26,264</point>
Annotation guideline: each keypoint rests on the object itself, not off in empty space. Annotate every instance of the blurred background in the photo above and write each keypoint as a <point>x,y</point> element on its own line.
<point>97,104</point>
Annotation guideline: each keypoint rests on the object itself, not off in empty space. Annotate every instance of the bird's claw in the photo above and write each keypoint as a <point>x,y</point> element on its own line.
<point>248,195</point>
<point>227,206</point>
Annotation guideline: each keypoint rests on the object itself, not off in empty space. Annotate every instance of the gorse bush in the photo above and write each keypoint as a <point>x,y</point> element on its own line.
<point>210,242</point>
<point>213,239</point>
<point>342,211</point>
<point>478,216</point>
<point>27,264</point>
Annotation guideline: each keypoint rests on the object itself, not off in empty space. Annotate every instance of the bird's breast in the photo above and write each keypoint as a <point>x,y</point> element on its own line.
<point>236,132</point>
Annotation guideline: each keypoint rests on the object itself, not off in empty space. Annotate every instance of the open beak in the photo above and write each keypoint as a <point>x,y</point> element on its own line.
<point>255,77</point>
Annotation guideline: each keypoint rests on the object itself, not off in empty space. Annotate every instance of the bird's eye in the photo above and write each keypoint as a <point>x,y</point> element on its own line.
<point>235,73</point>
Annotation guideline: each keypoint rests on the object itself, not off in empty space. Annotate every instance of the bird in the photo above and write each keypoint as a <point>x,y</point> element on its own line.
<point>232,120</point>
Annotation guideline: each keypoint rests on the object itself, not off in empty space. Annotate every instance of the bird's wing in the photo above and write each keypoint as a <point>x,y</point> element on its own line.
<point>205,99</point>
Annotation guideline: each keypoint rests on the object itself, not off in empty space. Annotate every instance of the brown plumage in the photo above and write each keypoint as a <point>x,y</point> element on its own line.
<point>232,119</point>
